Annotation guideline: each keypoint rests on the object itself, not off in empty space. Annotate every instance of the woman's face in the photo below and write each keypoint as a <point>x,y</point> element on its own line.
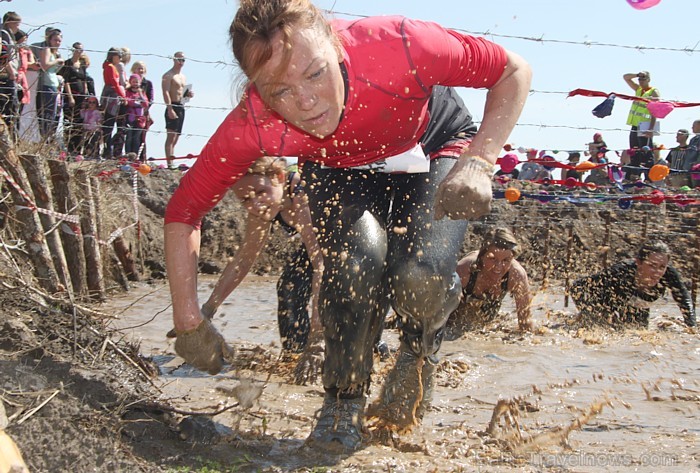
<point>260,195</point>
<point>651,269</point>
<point>140,70</point>
<point>55,41</point>
<point>116,59</point>
<point>310,92</point>
<point>496,261</point>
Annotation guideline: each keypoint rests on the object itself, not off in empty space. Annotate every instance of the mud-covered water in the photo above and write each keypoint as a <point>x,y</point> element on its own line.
<point>561,399</point>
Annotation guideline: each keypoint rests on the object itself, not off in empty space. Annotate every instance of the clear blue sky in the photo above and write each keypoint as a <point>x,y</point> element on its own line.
<point>155,29</point>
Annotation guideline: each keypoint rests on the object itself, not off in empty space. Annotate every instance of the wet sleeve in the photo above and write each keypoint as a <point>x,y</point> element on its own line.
<point>672,279</point>
<point>451,58</point>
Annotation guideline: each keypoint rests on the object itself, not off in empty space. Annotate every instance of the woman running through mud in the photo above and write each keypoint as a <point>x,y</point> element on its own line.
<point>487,275</point>
<point>350,99</point>
<point>620,296</point>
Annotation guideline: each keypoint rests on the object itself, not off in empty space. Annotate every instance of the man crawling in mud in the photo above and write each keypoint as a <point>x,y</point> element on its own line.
<point>620,296</point>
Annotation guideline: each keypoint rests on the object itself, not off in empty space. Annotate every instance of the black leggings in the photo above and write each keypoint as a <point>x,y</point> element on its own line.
<point>293,294</point>
<point>381,245</point>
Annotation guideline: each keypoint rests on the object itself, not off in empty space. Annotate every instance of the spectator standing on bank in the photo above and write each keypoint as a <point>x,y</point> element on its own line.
<point>91,123</point>
<point>48,97</point>
<point>695,146</point>
<point>26,61</point>
<point>74,73</point>
<point>681,158</point>
<point>113,94</point>
<point>9,65</point>
<point>139,67</point>
<point>119,137</point>
<point>574,158</point>
<point>174,84</point>
<point>639,113</point>
<point>136,114</point>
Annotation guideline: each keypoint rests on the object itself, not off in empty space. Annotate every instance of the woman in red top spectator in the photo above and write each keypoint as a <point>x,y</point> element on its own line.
<point>113,95</point>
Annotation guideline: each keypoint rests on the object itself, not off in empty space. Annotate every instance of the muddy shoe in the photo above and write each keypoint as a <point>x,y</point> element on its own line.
<point>383,350</point>
<point>407,390</point>
<point>339,427</point>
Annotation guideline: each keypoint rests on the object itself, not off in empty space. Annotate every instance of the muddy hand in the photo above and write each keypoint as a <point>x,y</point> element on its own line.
<point>465,193</point>
<point>204,348</point>
<point>310,362</point>
<point>207,311</point>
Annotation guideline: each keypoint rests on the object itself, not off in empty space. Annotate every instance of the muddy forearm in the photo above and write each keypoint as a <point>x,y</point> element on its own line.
<point>181,256</point>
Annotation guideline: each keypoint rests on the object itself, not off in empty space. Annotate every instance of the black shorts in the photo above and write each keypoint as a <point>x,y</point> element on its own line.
<point>175,124</point>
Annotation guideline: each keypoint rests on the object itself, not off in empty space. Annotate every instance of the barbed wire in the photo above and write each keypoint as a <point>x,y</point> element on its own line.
<point>541,39</point>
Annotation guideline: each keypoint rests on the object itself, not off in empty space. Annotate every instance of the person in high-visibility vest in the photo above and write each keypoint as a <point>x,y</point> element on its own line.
<point>639,113</point>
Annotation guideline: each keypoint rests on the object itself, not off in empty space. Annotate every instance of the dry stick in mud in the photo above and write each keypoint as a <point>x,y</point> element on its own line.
<point>95,279</point>
<point>30,229</point>
<point>34,167</point>
<point>72,240</point>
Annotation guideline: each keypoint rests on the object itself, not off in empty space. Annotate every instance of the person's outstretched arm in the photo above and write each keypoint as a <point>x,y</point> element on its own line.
<point>257,232</point>
<point>673,280</point>
<point>181,258</point>
<point>466,191</point>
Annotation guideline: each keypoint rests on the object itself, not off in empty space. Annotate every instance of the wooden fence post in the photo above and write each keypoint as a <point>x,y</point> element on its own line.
<point>31,230</point>
<point>34,167</point>
<point>91,243</point>
<point>71,233</point>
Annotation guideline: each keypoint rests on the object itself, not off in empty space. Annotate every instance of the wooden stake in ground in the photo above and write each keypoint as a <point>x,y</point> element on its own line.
<point>36,175</point>
<point>30,230</point>
<point>91,243</point>
<point>71,234</point>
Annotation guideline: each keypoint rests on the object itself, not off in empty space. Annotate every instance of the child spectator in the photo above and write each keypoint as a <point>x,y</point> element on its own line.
<point>136,108</point>
<point>598,145</point>
<point>92,128</point>
<point>26,60</point>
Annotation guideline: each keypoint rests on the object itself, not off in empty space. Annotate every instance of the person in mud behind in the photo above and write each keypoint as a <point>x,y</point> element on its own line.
<point>377,197</point>
<point>270,194</point>
<point>620,296</point>
<point>487,275</point>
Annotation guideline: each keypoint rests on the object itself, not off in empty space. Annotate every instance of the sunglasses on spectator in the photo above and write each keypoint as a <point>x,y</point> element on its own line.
<point>180,59</point>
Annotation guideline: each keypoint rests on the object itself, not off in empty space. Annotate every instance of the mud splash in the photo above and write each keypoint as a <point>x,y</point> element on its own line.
<point>564,398</point>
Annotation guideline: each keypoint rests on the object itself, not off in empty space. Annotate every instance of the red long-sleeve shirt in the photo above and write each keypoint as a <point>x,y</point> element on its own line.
<point>392,64</point>
<point>110,75</point>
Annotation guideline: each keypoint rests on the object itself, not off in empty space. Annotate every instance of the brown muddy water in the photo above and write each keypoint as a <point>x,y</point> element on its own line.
<point>560,399</point>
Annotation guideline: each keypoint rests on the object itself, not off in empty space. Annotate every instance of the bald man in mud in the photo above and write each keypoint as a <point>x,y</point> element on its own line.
<point>174,85</point>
